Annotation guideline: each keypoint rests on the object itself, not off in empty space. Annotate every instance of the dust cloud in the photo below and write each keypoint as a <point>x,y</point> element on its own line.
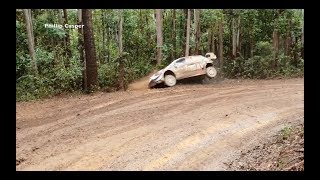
<point>142,83</point>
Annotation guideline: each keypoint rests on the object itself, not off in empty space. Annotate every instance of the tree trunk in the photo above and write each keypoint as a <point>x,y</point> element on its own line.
<point>234,38</point>
<point>149,36</point>
<point>211,44</point>
<point>121,63</point>
<point>289,39</point>
<point>60,19</point>
<point>221,44</point>
<point>108,44</point>
<point>188,33</point>
<point>91,60</point>
<point>209,40</point>
<point>159,35</point>
<point>173,37</point>
<point>185,11</point>
<point>302,36</point>
<point>103,36</point>
<point>213,49</point>
<point>141,20</point>
<point>251,46</point>
<point>67,38</point>
<point>197,28</point>
<point>28,17</point>
<point>238,46</point>
<point>275,42</point>
<point>80,46</point>
<point>120,32</point>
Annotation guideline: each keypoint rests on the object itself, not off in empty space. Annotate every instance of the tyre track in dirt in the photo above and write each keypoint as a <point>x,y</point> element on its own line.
<point>179,128</point>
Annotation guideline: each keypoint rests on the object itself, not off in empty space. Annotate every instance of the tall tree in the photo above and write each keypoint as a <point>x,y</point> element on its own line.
<point>238,46</point>
<point>221,44</point>
<point>188,32</point>
<point>28,18</point>
<point>275,39</point>
<point>183,25</point>
<point>159,35</point>
<point>103,35</point>
<point>209,40</point>
<point>121,63</point>
<point>234,36</point>
<point>67,38</point>
<point>288,38</point>
<point>81,53</point>
<point>90,51</point>
<point>302,35</point>
<point>197,29</point>
<point>60,19</point>
<point>173,35</point>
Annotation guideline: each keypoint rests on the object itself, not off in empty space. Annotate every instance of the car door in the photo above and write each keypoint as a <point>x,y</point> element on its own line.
<point>192,66</point>
<point>180,68</point>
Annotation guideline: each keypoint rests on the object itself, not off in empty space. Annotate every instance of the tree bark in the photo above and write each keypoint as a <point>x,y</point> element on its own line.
<point>120,32</point>
<point>81,52</point>
<point>174,35</point>
<point>103,36</point>
<point>288,39</point>
<point>90,51</point>
<point>159,35</point>
<point>188,33</point>
<point>60,19</point>
<point>185,11</point>
<point>67,38</point>
<point>211,43</point>
<point>147,25</point>
<point>251,47</point>
<point>302,36</point>
<point>108,43</point>
<point>238,45</point>
<point>28,18</point>
<point>209,40</point>
<point>197,28</point>
<point>234,38</point>
<point>275,42</point>
<point>121,63</point>
<point>221,44</point>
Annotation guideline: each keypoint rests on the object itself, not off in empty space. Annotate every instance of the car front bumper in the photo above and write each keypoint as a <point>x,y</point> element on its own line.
<point>154,82</point>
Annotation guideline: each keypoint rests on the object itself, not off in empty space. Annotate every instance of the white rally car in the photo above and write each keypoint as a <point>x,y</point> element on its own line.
<point>185,67</point>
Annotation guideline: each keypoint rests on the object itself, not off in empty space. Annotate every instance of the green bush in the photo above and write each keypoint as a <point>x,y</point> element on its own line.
<point>263,64</point>
<point>30,87</point>
<point>53,77</point>
<point>107,74</point>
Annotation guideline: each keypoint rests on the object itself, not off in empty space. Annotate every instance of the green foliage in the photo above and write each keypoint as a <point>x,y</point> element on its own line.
<point>256,58</point>
<point>30,87</point>
<point>263,64</point>
<point>107,74</point>
<point>53,77</point>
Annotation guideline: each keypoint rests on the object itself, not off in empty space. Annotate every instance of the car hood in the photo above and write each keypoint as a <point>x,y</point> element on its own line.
<point>159,74</point>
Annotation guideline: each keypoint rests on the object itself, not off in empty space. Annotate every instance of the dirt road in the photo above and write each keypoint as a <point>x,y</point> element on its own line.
<point>187,127</point>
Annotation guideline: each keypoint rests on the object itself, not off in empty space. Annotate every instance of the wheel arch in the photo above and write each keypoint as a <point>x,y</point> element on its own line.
<point>170,72</point>
<point>209,64</point>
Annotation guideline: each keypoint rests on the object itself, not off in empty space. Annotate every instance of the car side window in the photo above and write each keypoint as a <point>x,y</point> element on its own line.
<point>180,60</point>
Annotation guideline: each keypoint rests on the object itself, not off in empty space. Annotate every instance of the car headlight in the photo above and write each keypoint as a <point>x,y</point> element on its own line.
<point>156,75</point>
